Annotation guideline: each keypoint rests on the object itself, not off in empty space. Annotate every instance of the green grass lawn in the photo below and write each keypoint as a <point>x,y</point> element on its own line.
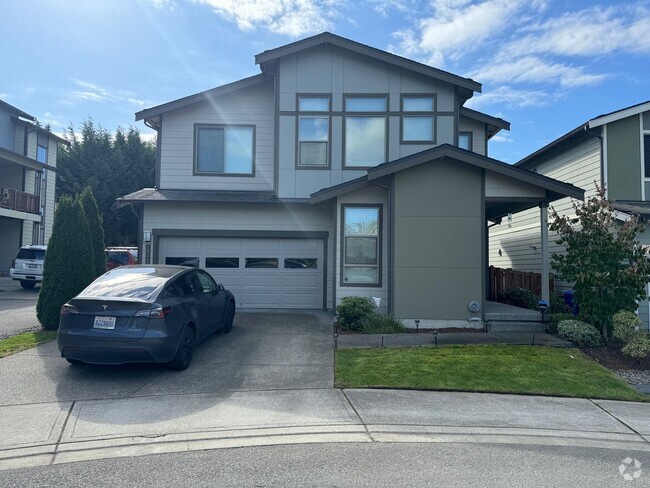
<point>534,370</point>
<point>26,340</point>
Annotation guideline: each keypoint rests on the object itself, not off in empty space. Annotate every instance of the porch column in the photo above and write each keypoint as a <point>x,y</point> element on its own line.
<point>546,268</point>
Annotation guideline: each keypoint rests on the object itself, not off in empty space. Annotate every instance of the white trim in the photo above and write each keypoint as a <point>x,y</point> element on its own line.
<point>605,182</point>
<point>622,216</point>
<point>642,158</point>
<point>621,114</point>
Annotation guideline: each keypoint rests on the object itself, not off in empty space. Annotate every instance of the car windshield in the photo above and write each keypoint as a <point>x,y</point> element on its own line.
<point>140,283</point>
<point>31,254</point>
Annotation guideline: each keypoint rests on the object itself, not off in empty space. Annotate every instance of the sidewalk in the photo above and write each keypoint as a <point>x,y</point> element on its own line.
<point>52,433</point>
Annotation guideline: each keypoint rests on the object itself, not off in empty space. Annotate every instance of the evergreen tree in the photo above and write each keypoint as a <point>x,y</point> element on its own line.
<point>89,206</point>
<point>68,266</point>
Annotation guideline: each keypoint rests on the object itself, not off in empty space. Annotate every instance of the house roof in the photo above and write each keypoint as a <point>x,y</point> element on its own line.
<point>202,196</point>
<point>16,111</point>
<point>148,113</point>
<point>555,189</point>
<point>633,207</point>
<point>494,124</point>
<point>342,42</point>
<point>584,129</point>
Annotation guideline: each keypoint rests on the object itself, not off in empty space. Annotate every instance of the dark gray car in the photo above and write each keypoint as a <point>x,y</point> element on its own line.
<point>146,313</point>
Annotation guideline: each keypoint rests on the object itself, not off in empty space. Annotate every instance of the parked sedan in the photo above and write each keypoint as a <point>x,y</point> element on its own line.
<point>146,313</point>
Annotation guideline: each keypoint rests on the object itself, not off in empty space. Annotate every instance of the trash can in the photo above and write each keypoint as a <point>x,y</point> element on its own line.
<point>569,301</point>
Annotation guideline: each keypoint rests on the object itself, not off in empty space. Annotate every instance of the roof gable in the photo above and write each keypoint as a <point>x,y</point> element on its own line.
<point>328,38</point>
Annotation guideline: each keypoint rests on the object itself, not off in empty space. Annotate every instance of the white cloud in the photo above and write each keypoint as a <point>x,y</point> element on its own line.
<point>169,4</point>
<point>501,138</point>
<point>291,17</point>
<point>506,95</point>
<point>532,69</point>
<point>95,93</point>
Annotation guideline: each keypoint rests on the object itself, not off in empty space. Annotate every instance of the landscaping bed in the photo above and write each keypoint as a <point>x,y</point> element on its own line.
<point>635,371</point>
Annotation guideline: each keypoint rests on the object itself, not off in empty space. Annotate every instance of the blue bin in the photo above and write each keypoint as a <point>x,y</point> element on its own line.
<point>568,300</point>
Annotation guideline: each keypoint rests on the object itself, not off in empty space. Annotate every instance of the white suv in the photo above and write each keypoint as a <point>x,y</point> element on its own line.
<point>27,266</point>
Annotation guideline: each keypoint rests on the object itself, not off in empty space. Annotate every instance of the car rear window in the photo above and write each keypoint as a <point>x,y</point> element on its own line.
<point>121,257</point>
<point>139,283</point>
<point>31,254</point>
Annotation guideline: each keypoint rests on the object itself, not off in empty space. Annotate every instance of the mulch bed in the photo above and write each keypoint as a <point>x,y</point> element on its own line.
<point>612,358</point>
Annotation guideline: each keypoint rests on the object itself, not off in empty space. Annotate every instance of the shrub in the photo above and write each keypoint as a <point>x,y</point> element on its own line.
<point>353,311</point>
<point>518,297</point>
<point>578,332</point>
<point>68,267</point>
<point>555,319</point>
<point>627,328</point>
<point>89,206</point>
<point>557,304</point>
<point>381,323</point>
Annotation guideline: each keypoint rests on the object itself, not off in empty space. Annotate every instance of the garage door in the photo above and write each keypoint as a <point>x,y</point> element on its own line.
<point>261,273</point>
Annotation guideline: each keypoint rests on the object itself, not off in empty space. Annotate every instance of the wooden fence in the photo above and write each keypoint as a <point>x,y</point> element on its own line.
<point>503,279</point>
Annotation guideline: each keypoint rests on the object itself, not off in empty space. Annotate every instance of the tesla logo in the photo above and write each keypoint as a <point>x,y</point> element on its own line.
<point>104,307</point>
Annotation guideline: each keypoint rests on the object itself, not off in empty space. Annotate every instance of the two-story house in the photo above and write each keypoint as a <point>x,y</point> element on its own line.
<point>339,170</point>
<point>611,150</point>
<point>27,182</point>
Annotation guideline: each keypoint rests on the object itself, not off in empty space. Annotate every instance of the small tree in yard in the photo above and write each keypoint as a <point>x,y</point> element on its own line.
<point>603,260</point>
<point>89,206</point>
<point>68,266</point>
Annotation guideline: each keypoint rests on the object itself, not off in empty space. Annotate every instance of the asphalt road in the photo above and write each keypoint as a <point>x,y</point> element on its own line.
<point>17,307</point>
<point>358,465</point>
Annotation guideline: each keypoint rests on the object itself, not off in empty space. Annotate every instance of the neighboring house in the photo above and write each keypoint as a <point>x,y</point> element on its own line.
<point>611,150</point>
<point>339,170</point>
<point>27,167</point>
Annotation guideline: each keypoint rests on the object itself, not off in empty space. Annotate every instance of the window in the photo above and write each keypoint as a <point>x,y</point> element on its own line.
<point>465,140</point>
<point>313,131</point>
<point>224,150</point>
<point>41,154</point>
<point>646,154</point>
<point>261,262</point>
<point>222,262</point>
<point>365,135</point>
<point>206,283</point>
<point>418,119</point>
<point>301,263</point>
<point>182,261</point>
<point>361,248</point>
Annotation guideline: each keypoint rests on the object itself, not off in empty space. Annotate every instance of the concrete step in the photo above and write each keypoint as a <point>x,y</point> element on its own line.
<point>515,326</point>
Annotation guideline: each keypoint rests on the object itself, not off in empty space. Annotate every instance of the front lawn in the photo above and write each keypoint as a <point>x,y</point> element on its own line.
<point>533,370</point>
<point>26,340</point>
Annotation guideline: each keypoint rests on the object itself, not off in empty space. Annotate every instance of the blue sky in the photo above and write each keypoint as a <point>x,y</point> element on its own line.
<point>546,66</point>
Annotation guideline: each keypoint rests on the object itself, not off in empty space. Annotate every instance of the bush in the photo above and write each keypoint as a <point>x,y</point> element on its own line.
<point>578,332</point>
<point>518,297</point>
<point>627,328</point>
<point>89,206</point>
<point>555,319</point>
<point>557,304</point>
<point>68,268</point>
<point>353,311</point>
<point>381,323</point>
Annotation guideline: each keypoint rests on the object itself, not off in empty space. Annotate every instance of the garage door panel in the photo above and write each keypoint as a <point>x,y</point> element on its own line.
<point>298,283</point>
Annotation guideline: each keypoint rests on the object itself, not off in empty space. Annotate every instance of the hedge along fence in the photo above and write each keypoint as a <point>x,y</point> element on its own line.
<point>505,279</point>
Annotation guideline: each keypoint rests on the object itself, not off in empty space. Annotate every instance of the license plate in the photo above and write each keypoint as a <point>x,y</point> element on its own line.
<point>104,323</point>
<point>32,266</point>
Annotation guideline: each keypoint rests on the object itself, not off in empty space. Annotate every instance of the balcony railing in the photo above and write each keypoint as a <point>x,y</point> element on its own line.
<point>18,200</point>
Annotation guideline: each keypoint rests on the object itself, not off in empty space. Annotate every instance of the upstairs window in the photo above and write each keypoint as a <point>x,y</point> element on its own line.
<point>224,150</point>
<point>41,154</point>
<point>313,131</point>
<point>465,140</point>
<point>418,119</point>
<point>646,154</point>
<point>365,131</point>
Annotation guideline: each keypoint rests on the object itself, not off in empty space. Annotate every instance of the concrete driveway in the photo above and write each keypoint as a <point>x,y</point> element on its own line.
<point>265,351</point>
<point>17,307</point>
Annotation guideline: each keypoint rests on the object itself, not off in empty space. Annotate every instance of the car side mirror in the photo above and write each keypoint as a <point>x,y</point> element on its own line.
<point>220,287</point>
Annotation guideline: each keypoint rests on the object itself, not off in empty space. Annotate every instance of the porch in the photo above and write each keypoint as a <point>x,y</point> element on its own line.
<point>500,317</point>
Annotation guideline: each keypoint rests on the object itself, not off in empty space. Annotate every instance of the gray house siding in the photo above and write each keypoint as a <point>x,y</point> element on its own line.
<point>249,106</point>
<point>336,72</point>
<point>479,143</point>
<point>438,241</point>
<point>624,175</point>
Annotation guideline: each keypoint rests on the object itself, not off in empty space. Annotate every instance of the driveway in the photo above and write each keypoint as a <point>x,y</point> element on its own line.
<point>17,307</point>
<point>265,351</point>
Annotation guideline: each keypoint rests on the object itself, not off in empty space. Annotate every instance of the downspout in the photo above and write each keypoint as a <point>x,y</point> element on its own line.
<point>389,245</point>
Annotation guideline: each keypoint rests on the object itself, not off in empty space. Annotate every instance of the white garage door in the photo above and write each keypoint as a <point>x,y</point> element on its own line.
<point>261,273</point>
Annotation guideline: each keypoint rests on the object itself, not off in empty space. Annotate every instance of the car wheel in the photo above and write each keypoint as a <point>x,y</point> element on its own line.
<point>185,350</point>
<point>74,361</point>
<point>230,317</point>
<point>27,285</point>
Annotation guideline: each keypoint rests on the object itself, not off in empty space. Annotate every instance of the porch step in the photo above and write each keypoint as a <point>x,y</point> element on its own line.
<point>515,326</point>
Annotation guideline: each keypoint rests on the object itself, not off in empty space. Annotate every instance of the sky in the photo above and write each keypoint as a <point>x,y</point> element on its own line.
<point>546,66</point>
